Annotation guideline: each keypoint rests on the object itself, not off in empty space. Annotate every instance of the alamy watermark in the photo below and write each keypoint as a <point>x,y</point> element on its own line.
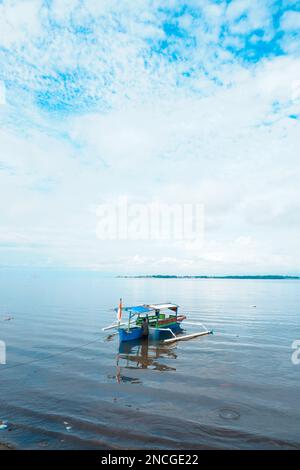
<point>2,352</point>
<point>296,354</point>
<point>150,221</point>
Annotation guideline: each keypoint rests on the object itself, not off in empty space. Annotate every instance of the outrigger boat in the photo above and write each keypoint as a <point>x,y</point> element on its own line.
<point>161,320</point>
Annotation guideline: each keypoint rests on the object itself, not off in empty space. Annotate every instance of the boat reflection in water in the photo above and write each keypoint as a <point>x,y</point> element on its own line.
<point>143,354</point>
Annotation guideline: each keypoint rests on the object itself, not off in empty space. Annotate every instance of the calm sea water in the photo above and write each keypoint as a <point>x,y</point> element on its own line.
<point>68,385</point>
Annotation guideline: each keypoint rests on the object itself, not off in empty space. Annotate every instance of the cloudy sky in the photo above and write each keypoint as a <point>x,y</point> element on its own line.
<point>192,102</point>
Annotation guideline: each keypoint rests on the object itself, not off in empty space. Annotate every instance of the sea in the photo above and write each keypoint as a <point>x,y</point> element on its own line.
<point>66,384</point>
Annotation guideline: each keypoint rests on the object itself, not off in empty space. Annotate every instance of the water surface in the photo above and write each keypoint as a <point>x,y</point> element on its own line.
<point>68,385</point>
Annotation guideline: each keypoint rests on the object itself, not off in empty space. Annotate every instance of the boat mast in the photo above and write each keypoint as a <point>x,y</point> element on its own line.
<point>129,318</point>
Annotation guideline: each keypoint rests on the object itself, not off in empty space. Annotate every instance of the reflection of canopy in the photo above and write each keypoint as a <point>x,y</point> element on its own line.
<point>141,354</point>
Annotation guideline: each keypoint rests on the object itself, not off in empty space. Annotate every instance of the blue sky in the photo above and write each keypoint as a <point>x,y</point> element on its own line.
<point>194,102</point>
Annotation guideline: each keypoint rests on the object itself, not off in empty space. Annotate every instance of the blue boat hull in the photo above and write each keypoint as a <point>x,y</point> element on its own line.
<point>137,333</point>
<point>132,334</point>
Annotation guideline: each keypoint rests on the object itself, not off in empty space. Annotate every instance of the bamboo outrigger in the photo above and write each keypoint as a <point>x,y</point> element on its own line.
<point>157,321</point>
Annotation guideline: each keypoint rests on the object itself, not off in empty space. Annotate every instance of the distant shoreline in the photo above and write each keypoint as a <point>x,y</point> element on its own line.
<point>173,276</point>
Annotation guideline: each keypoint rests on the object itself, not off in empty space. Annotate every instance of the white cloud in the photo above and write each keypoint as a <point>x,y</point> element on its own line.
<point>219,135</point>
<point>247,15</point>
<point>291,21</point>
<point>19,20</point>
<point>2,93</point>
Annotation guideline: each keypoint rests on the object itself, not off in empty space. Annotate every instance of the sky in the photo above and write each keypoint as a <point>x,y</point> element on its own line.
<point>178,102</point>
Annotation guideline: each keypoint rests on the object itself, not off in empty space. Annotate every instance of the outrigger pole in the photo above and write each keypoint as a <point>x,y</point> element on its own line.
<point>111,327</point>
<point>187,337</point>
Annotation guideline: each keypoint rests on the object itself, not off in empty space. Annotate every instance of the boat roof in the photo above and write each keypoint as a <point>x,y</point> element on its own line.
<point>148,308</point>
<point>162,306</point>
<point>138,309</point>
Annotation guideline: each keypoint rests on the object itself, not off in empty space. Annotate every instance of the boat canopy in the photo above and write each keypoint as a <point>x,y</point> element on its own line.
<point>138,309</point>
<point>163,306</point>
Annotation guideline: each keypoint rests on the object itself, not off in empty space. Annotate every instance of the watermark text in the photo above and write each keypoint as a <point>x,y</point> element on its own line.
<point>151,221</point>
<point>296,354</point>
<point>2,352</point>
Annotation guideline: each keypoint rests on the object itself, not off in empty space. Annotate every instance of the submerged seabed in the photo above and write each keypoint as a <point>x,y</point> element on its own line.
<point>68,385</point>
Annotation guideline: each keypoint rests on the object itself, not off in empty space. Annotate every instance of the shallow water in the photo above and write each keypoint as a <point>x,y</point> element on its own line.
<point>68,385</point>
